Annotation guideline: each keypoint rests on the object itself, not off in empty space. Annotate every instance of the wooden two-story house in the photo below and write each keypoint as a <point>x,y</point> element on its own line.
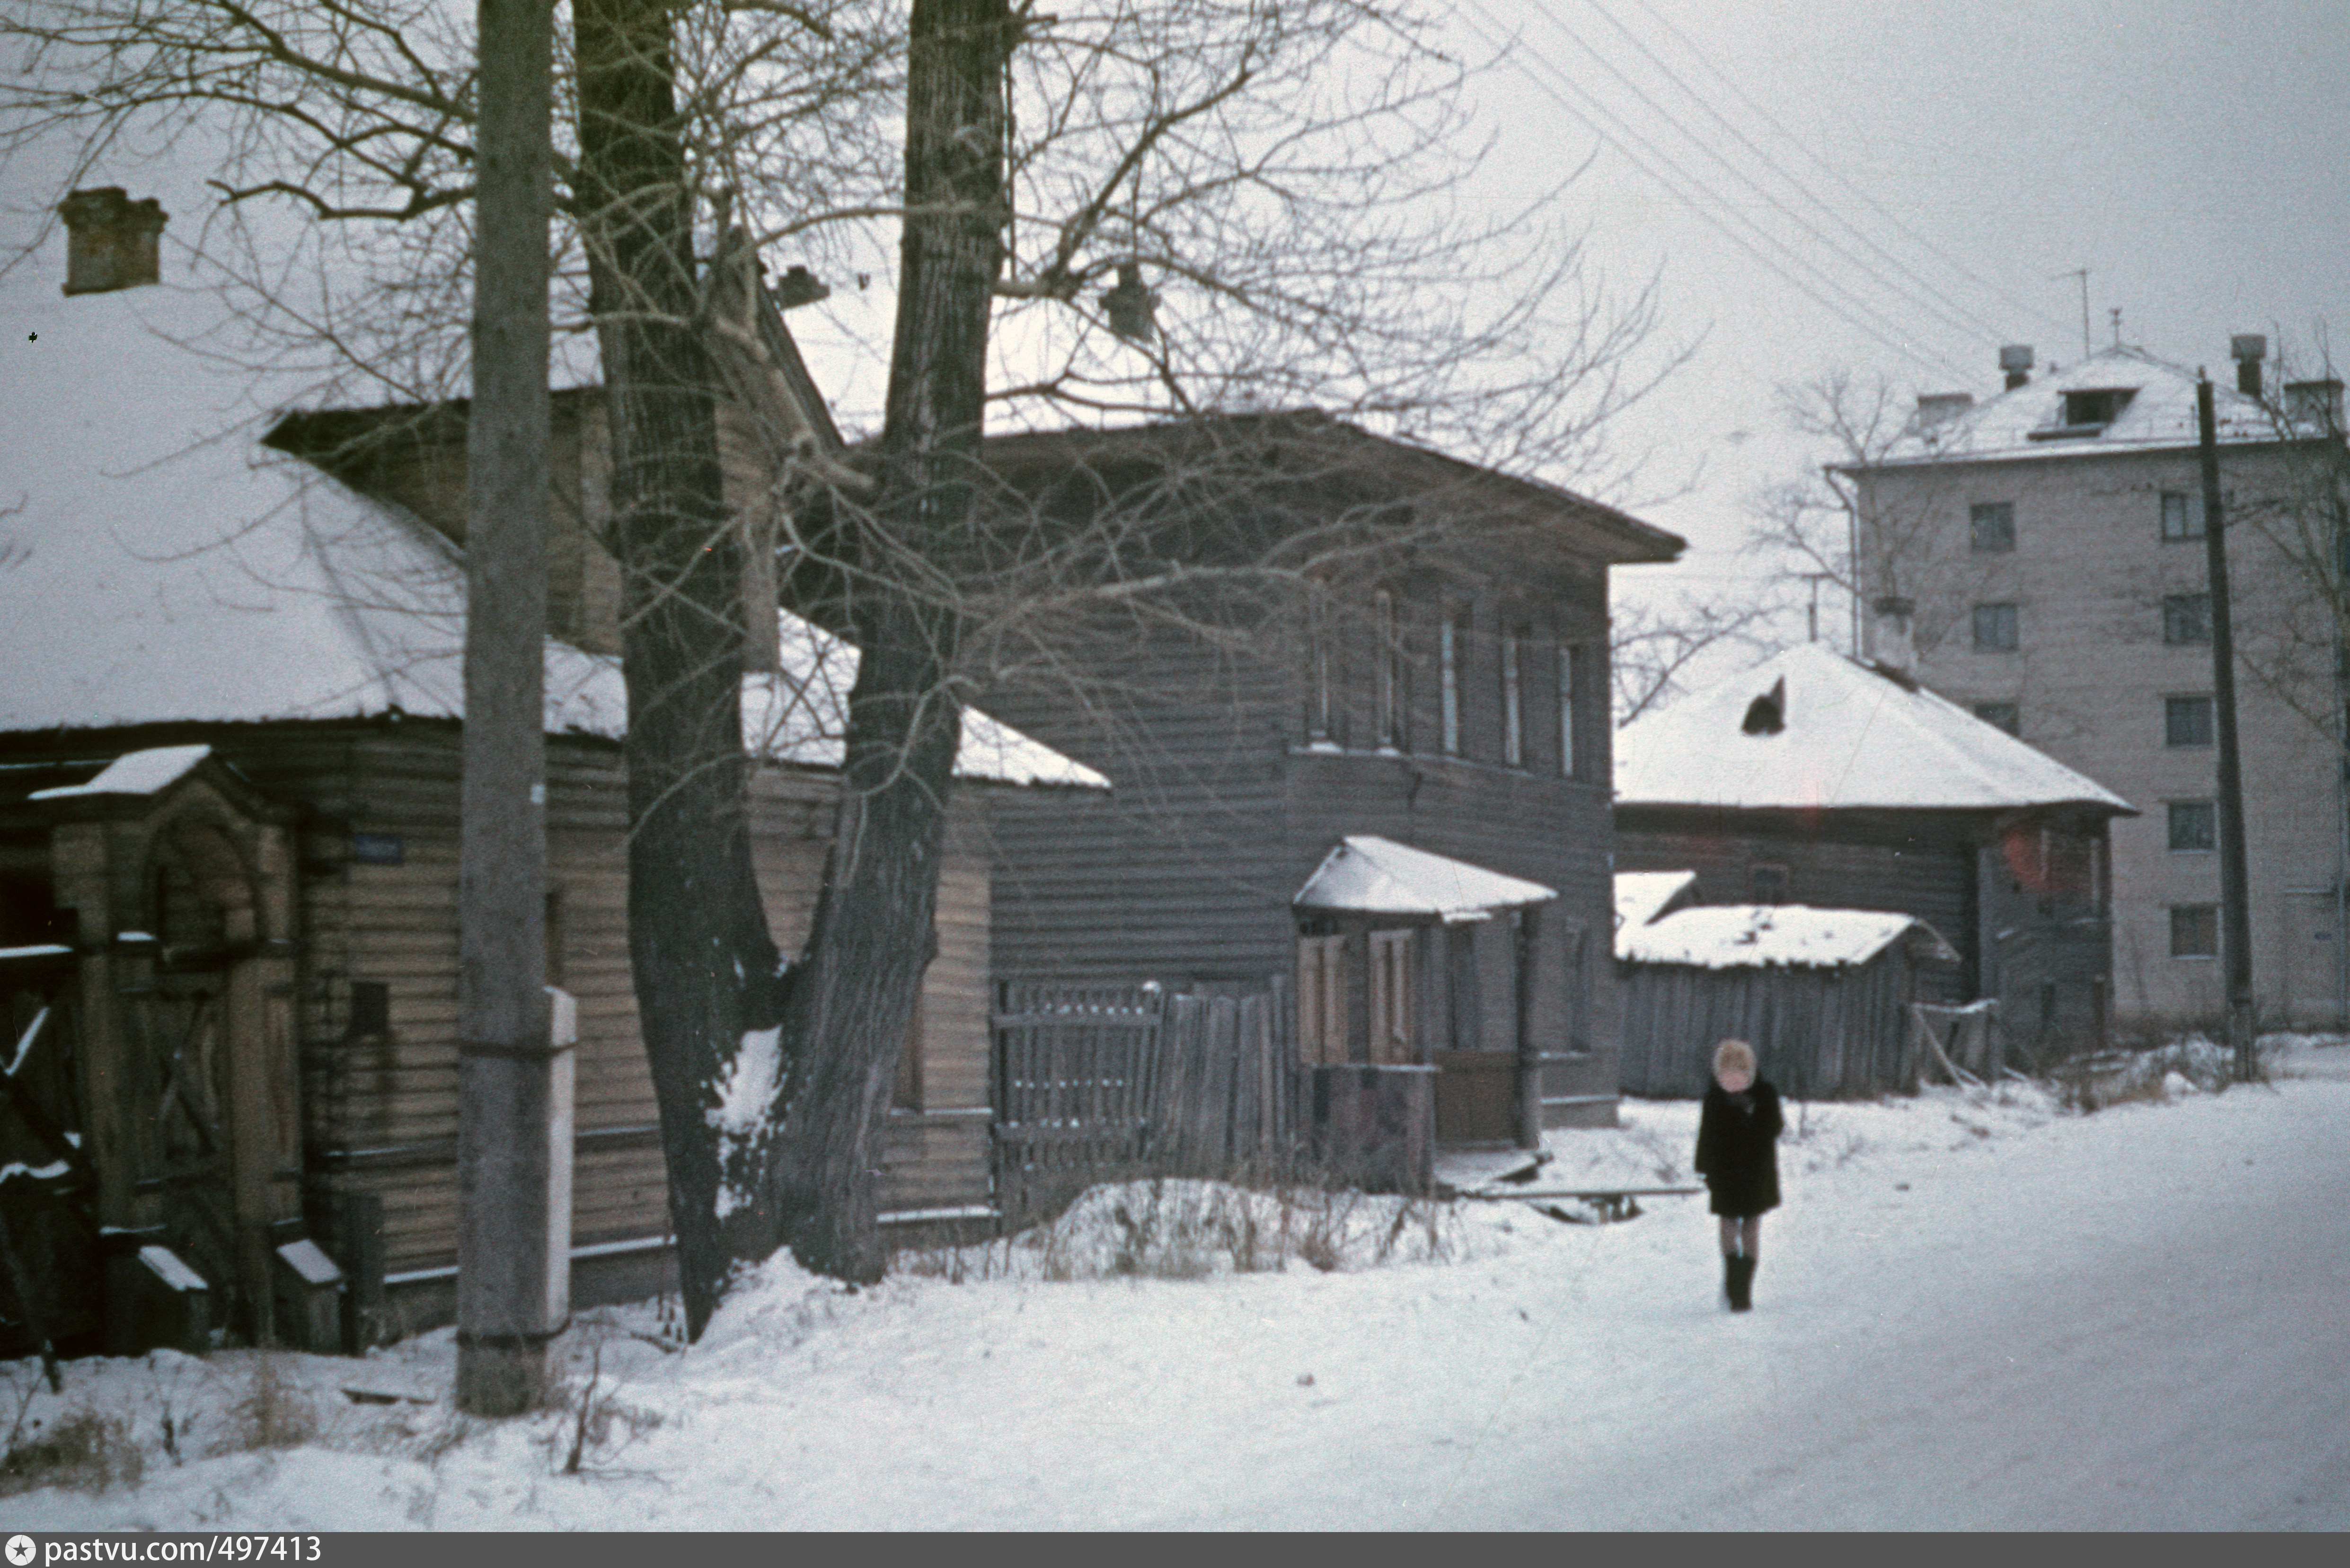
<point>1370,646</point>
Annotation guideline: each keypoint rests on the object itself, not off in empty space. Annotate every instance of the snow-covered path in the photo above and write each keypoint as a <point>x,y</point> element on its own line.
<point>1971,1313</point>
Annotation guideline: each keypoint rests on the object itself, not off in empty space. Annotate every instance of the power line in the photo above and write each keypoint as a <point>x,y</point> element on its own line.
<point>1625,139</point>
<point>1939,256</point>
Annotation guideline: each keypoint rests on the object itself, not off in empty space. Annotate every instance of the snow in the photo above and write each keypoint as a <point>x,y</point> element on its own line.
<point>1641,894</point>
<point>1739,936</point>
<point>157,563</point>
<point>309,1260</point>
<point>1370,874</point>
<point>149,771</point>
<point>1852,738</point>
<point>2160,413</point>
<point>1975,1310</point>
<point>744,1097</point>
<point>166,1266</point>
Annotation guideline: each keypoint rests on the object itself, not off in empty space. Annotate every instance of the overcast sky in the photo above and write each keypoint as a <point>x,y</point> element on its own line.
<point>1902,188</point>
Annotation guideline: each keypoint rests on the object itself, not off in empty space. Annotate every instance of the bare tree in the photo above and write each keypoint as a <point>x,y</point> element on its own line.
<point>1651,646</point>
<point>1177,210</point>
<point>1819,529</point>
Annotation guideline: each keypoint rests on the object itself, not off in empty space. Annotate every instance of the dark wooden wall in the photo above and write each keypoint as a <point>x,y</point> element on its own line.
<point>1226,800</point>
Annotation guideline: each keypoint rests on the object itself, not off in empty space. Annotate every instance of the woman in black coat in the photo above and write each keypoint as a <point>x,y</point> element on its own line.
<point>1737,1153</point>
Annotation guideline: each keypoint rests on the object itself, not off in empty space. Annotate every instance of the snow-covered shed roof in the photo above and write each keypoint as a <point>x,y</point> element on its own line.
<point>1370,875</point>
<point>1811,729</point>
<point>2031,421</point>
<point>158,563</point>
<point>1642,896</point>
<point>1745,936</point>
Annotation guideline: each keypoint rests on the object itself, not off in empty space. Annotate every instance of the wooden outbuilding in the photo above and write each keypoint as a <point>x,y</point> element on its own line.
<point>1823,996</point>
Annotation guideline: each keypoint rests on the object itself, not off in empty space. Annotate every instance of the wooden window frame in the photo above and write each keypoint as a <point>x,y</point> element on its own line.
<point>1990,527</point>
<point>1513,694</point>
<point>1389,662</point>
<point>1322,1001</point>
<point>2189,936</point>
<point>2191,715</point>
<point>1395,1033</point>
<point>2187,507</point>
<point>1998,628</point>
<point>1448,661</point>
<point>1570,680</point>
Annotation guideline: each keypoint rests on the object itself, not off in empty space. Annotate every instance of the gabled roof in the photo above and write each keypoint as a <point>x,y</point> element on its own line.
<point>1253,455</point>
<point>2031,421</point>
<point>1809,729</point>
<point>1370,875</point>
<point>159,564</point>
<point>1751,936</point>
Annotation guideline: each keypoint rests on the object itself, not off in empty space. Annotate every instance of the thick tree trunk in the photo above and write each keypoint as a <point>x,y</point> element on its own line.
<point>705,964</point>
<point>851,999</point>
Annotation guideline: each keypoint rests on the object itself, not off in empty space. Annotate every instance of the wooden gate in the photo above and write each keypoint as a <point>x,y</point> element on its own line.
<point>48,1237</point>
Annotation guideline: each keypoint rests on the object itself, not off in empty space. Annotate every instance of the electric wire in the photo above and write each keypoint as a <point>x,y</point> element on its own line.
<point>1633,144</point>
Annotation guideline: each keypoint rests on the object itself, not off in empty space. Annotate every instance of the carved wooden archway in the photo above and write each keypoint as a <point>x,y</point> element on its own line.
<point>180,879</point>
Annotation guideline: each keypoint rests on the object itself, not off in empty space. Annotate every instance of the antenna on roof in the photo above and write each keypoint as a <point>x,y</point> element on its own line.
<point>2082,274</point>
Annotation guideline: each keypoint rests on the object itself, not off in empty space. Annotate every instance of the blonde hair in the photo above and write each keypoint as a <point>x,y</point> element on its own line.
<point>1733,1054</point>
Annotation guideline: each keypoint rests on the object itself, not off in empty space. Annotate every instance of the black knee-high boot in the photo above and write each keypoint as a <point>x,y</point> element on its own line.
<point>1740,1273</point>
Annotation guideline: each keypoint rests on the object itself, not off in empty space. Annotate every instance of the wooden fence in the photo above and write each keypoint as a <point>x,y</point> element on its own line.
<point>1114,1082</point>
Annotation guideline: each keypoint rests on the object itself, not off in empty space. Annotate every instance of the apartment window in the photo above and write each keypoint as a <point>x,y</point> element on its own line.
<point>1570,682</point>
<point>1994,629</point>
<point>1389,657</point>
<point>2194,824</point>
<point>1993,526</point>
<point>2001,716</point>
<point>1513,714</point>
<point>2187,721</point>
<point>1448,660</point>
<point>2186,617</point>
<point>2195,930</point>
<point>2182,514</point>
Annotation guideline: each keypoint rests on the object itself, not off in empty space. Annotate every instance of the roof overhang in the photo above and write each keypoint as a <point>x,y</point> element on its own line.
<point>1366,874</point>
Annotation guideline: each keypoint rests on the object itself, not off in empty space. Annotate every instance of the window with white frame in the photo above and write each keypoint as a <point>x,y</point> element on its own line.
<point>1513,712</point>
<point>1447,659</point>
<point>1570,682</point>
<point>1389,660</point>
<point>2182,514</point>
<point>1393,1002</point>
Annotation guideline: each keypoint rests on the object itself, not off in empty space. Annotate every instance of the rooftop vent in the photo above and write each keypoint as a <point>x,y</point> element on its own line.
<point>2248,349</point>
<point>2015,362</point>
<point>1767,714</point>
<point>110,240</point>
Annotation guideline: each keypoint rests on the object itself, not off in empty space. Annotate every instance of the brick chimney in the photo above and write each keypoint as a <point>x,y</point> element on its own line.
<point>110,240</point>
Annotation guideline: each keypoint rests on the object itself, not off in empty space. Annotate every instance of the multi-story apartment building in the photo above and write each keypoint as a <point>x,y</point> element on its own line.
<point>2046,552</point>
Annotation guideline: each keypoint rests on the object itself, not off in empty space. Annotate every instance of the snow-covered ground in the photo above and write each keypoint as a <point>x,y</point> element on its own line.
<point>1976,1310</point>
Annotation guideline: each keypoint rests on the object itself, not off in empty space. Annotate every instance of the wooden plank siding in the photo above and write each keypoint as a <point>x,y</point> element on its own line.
<point>380,1105</point>
<point>1227,799</point>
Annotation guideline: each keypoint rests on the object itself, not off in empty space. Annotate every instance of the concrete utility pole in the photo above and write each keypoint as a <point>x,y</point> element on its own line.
<point>514,1283</point>
<point>2235,894</point>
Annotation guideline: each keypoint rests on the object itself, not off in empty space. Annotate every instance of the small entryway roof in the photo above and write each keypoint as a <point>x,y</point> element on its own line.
<point>1370,875</point>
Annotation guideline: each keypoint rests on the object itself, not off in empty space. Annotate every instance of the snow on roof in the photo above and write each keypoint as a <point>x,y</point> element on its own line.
<point>149,771</point>
<point>1370,875</point>
<point>2031,421</point>
<point>1736,936</point>
<point>1642,895</point>
<point>159,564</point>
<point>801,718</point>
<point>1847,737</point>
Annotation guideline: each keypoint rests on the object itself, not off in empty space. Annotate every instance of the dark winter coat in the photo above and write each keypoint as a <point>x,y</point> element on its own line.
<point>1738,1148</point>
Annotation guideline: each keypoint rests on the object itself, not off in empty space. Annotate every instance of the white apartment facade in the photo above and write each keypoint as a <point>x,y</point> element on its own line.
<point>2044,555</point>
